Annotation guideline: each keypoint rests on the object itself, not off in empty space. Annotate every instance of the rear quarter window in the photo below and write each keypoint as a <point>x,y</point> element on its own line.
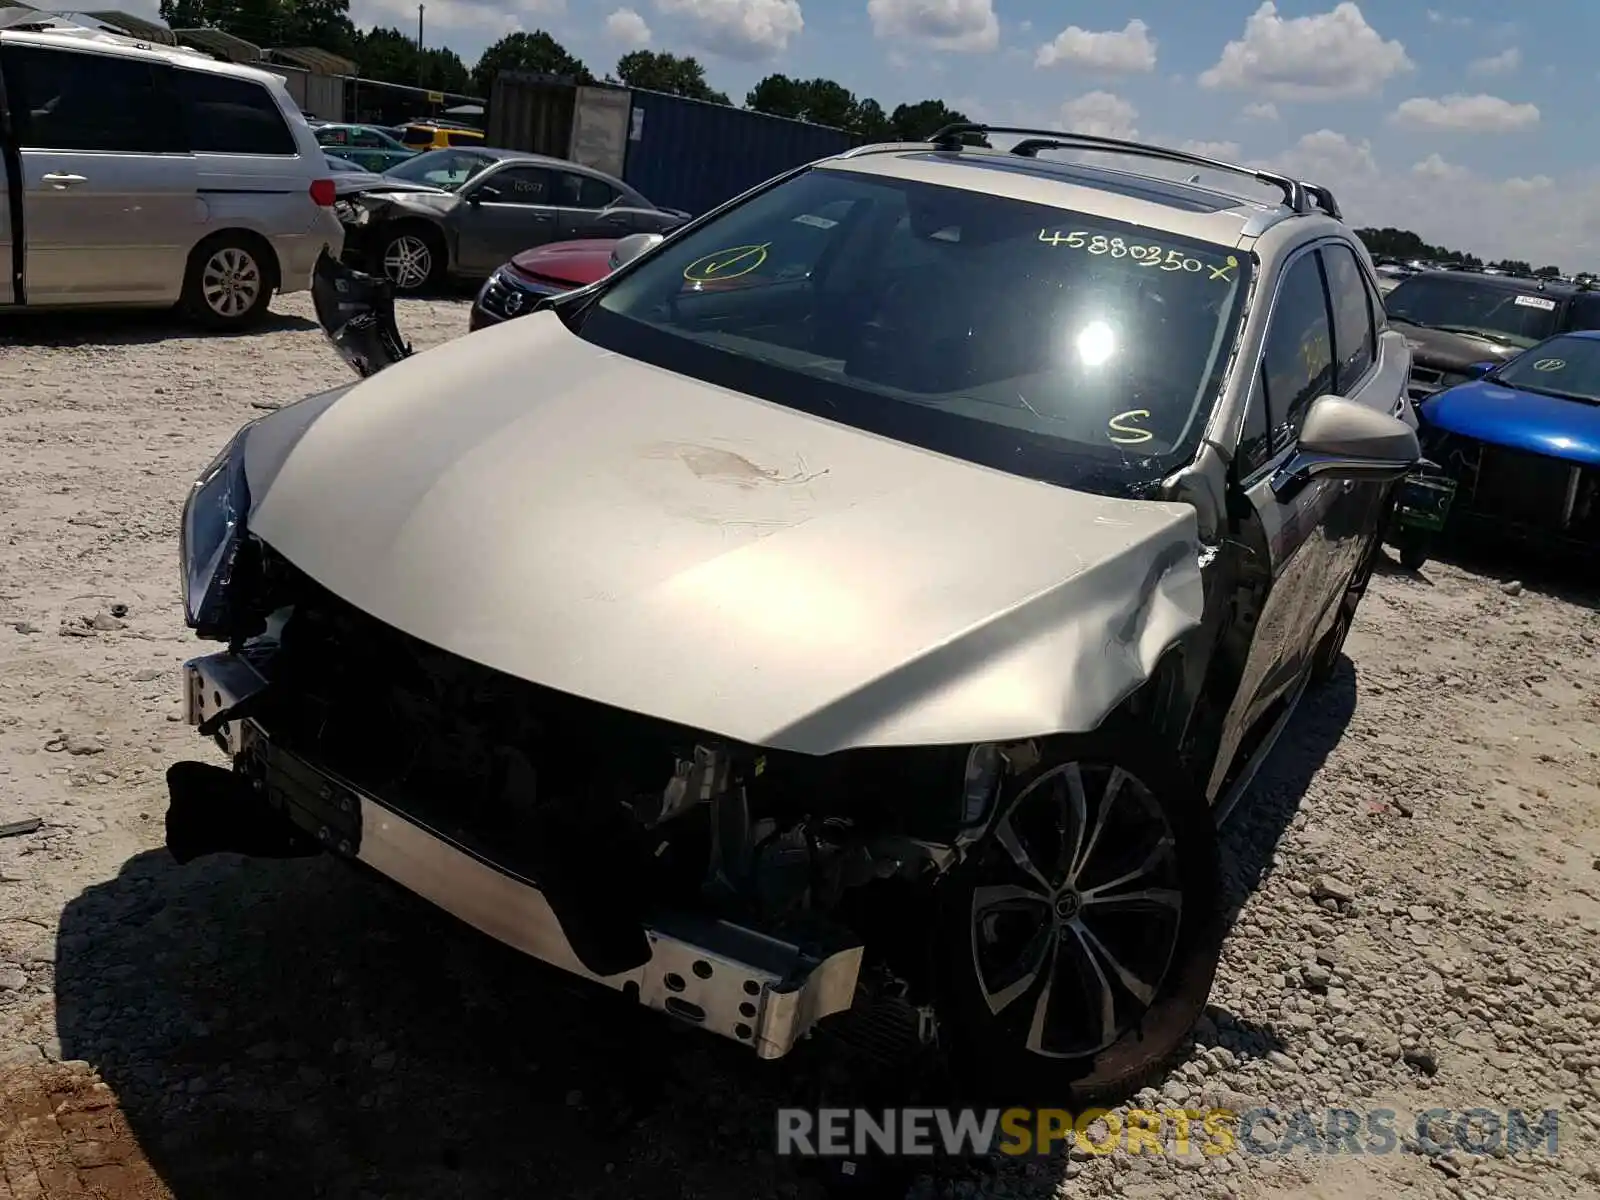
<point>231,116</point>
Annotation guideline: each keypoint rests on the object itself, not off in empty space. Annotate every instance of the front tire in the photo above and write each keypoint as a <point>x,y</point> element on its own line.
<point>412,258</point>
<point>1415,549</point>
<point>1080,938</point>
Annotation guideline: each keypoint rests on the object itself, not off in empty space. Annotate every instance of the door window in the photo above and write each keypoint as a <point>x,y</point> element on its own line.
<point>583,191</point>
<point>231,116</point>
<point>1584,311</point>
<point>521,185</point>
<point>333,137</point>
<point>67,100</point>
<point>367,140</point>
<point>1255,441</point>
<point>1354,338</point>
<point>1298,361</point>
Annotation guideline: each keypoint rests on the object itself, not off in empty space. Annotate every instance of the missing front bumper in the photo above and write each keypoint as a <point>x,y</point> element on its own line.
<point>746,985</point>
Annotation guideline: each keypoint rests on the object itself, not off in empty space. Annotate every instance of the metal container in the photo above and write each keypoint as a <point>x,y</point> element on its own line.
<point>693,155</point>
<point>531,112</point>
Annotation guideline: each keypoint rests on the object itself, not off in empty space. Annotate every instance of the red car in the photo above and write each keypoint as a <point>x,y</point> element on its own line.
<point>533,274</point>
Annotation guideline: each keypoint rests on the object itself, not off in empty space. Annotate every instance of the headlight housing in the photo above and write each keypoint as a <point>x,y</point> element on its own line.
<point>210,535</point>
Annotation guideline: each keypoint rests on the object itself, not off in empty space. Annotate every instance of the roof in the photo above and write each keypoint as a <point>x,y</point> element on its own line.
<point>1510,283</point>
<point>1187,209</point>
<point>322,62</point>
<point>224,45</point>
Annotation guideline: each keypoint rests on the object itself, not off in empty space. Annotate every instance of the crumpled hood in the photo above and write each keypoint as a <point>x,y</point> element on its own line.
<point>1453,352</point>
<point>1502,416</point>
<point>612,530</point>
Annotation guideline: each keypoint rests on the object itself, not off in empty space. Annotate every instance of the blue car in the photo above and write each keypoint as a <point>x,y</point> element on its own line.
<point>1514,451</point>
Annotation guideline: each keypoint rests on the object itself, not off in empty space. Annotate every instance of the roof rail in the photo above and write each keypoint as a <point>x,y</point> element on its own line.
<point>1295,194</point>
<point>881,148</point>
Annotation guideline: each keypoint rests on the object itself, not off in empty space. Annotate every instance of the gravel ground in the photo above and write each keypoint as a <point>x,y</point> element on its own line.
<point>1417,877</point>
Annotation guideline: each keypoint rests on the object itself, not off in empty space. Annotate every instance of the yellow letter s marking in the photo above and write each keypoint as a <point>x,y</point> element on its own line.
<point>1123,432</point>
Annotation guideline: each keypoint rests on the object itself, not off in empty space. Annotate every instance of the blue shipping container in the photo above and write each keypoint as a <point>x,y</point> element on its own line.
<point>692,155</point>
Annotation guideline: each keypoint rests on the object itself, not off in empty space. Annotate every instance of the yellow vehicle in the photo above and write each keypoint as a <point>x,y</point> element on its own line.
<point>430,135</point>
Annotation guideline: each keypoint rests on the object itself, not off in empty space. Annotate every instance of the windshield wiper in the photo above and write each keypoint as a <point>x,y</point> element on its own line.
<point>1495,335</point>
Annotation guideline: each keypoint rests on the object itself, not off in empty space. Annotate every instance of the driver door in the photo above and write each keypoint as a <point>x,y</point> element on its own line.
<point>1297,367</point>
<point>503,212</point>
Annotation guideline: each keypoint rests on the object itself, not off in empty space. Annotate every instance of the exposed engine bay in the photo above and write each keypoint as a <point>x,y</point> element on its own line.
<point>627,826</point>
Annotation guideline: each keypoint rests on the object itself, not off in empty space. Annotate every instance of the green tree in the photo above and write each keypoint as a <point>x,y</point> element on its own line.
<point>872,122</point>
<point>1551,272</point>
<point>677,75</point>
<point>521,51</point>
<point>1514,266</point>
<point>441,70</point>
<point>820,101</point>
<point>324,24</point>
<point>388,56</point>
<point>920,121</point>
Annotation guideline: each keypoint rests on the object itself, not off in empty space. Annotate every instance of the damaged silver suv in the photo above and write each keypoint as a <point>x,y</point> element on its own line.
<point>878,590</point>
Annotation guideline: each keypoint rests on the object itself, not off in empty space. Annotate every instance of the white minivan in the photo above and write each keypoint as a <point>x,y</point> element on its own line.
<point>133,174</point>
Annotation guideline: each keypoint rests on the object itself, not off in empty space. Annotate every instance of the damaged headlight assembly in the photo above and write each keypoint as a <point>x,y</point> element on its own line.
<point>212,535</point>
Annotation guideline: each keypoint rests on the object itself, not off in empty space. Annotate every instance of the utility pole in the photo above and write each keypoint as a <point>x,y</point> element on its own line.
<point>420,7</point>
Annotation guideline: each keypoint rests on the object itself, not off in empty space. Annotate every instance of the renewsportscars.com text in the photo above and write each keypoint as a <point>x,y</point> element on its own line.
<point>920,1132</point>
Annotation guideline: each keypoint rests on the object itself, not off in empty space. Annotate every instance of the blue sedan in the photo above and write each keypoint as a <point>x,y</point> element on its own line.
<point>1515,451</point>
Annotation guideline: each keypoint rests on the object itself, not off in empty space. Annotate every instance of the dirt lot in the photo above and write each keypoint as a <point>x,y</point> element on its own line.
<point>1417,875</point>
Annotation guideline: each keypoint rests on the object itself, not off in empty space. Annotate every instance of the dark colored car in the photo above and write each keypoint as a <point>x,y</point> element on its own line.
<point>1454,319</point>
<point>1518,451</point>
<point>467,211</point>
<point>544,271</point>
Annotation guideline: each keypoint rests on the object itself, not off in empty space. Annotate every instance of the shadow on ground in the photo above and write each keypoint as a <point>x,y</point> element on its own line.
<point>124,327</point>
<point>296,1028</point>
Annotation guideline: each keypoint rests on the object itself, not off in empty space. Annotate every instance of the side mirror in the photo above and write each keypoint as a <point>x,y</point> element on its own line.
<point>1346,440</point>
<point>631,247</point>
<point>484,191</point>
<point>1479,369</point>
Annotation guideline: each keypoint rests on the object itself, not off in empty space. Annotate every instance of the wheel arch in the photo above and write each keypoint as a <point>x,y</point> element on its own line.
<point>258,242</point>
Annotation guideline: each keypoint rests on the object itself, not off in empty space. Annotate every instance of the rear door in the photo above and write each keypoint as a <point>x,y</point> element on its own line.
<point>1297,367</point>
<point>583,201</point>
<point>507,210</point>
<point>108,185</point>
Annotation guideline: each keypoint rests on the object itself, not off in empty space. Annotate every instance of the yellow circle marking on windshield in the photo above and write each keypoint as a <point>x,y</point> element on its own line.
<point>726,264</point>
<point>1549,364</point>
<point>1121,431</point>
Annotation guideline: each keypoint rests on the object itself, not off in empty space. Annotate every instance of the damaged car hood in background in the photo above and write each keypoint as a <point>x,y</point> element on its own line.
<point>600,526</point>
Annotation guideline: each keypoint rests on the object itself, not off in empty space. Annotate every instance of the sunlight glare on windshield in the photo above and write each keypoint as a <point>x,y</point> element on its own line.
<point>1096,344</point>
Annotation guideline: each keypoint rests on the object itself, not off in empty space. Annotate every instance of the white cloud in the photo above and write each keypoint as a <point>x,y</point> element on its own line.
<point>1227,151</point>
<point>1540,219</point>
<point>1125,51</point>
<point>445,20</point>
<point>964,25</point>
<point>1100,114</point>
<point>628,28</point>
<point>1439,18</point>
<point>1468,114</point>
<point>742,30</point>
<point>1507,61</point>
<point>1435,168</point>
<point>1328,56</point>
<point>1260,111</point>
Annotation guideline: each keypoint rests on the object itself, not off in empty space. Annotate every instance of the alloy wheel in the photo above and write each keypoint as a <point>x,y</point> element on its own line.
<point>1076,910</point>
<point>231,282</point>
<point>408,262</point>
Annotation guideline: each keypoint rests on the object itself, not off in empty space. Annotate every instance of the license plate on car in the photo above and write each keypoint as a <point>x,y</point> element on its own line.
<point>1424,502</point>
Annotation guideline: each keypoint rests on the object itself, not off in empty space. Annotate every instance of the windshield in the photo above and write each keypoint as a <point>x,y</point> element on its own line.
<point>1026,337</point>
<point>1465,305</point>
<point>1566,366</point>
<point>447,169</point>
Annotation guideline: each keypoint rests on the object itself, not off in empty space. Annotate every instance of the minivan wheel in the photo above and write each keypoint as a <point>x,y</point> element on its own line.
<point>1415,548</point>
<point>228,286</point>
<point>1080,938</point>
<point>411,258</point>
